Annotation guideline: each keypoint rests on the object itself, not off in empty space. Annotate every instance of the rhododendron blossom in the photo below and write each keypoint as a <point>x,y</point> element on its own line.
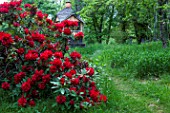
<point>5,85</point>
<point>79,35</point>
<point>22,102</point>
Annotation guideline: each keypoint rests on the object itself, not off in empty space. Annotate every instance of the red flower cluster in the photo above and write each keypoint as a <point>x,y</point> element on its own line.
<point>60,99</point>
<point>75,81</point>
<point>27,6</point>
<point>6,6</point>
<point>5,85</point>
<point>31,55</point>
<point>49,21</point>
<point>41,61</point>
<point>18,77</point>
<point>32,103</point>
<point>75,55</point>
<point>20,51</point>
<point>57,62</point>
<point>26,86</point>
<point>4,10</point>
<point>58,54</point>
<point>37,75</point>
<point>90,71</point>
<point>45,55</point>
<point>68,23</point>
<point>79,35</point>
<point>6,39</point>
<point>40,15</point>
<point>38,37</point>
<point>22,101</point>
<point>67,31</point>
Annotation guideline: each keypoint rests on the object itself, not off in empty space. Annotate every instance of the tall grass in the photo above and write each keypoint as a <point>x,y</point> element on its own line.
<point>145,60</point>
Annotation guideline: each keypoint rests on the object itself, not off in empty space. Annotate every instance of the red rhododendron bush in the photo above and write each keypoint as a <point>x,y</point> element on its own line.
<point>35,62</point>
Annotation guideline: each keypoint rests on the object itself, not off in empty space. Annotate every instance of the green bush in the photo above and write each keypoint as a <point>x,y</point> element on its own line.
<point>144,60</point>
<point>152,64</point>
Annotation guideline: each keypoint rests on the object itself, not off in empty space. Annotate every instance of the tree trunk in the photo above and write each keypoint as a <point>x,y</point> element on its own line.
<point>123,28</point>
<point>99,38</point>
<point>110,24</point>
<point>163,23</point>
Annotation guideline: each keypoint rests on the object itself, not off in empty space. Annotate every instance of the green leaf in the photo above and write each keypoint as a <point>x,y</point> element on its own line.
<point>62,91</point>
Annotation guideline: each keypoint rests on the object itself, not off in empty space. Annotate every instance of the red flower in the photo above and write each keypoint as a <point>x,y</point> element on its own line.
<point>57,62</point>
<point>67,48</point>
<point>73,89</point>
<point>79,35</point>
<point>67,31</point>
<point>60,99</point>
<point>94,95</point>
<point>46,54</point>
<point>73,72</point>
<point>22,101</point>
<point>18,77</point>
<point>31,43</point>
<point>68,23</point>
<point>41,85</point>
<point>75,55</point>
<point>103,98</point>
<point>53,69</point>
<point>67,64</point>
<point>90,71</point>
<point>38,37</point>
<point>5,85</point>
<point>59,25</point>
<point>74,23</point>
<point>31,103</point>
<point>92,84</point>
<point>62,81</point>
<point>85,79</point>
<point>46,78</point>
<point>58,54</point>
<point>71,102</point>
<point>4,10</point>
<point>27,6</point>
<point>27,68</point>
<point>6,39</point>
<point>17,38</point>
<point>37,75</point>
<point>40,15</point>
<point>68,75</point>
<point>49,21</point>
<point>66,59</point>
<point>20,51</point>
<point>75,81</point>
<point>82,91</point>
<point>26,30</point>
<point>24,14</point>
<point>35,93</point>
<point>16,24</point>
<point>31,55</point>
<point>26,86</point>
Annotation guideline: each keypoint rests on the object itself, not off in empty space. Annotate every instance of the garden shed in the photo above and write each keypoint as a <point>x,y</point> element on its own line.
<point>68,14</point>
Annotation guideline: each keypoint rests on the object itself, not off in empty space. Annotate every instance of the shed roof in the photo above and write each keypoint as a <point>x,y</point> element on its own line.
<point>67,13</point>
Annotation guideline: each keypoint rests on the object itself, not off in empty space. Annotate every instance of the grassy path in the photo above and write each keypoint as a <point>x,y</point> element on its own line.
<point>128,90</point>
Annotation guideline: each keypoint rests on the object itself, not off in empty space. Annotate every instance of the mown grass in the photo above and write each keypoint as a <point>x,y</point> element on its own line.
<point>125,92</point>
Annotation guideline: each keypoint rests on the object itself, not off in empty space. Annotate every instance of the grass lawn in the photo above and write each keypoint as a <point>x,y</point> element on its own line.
<point>125,92</point>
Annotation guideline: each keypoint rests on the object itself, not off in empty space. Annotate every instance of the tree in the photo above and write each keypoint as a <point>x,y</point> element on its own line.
<point>98,16</point>
<point>163,21</point>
